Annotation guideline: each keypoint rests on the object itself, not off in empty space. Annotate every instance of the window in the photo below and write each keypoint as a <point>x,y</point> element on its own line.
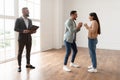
<point>9,11</point>
<point>2,46</point>
<point>9,38</point>
<point>34,8</point>
<point>7,47</point>
<point>1,7</point>
<point>9,7</point>
<point>36,39</point>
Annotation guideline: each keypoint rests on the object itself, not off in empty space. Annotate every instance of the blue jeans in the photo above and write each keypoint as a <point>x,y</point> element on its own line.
<point>68,47</point>
<point>92,51</point>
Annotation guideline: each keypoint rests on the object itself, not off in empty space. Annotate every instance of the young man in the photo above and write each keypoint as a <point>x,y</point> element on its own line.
<point>22,26</point>
<point>69,39</point>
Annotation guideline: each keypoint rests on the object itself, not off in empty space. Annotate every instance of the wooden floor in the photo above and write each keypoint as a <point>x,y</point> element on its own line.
<point>49,67</point>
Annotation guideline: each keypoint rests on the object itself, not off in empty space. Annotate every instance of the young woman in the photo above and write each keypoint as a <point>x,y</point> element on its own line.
<point>93,32</point>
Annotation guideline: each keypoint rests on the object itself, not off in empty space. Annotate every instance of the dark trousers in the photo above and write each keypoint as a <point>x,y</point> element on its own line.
<point>68,47</point>
<point>21,44</point>
<point>92,50</point>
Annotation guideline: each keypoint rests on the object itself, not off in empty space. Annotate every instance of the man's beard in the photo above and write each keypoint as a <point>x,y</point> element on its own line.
<point>27,15</point>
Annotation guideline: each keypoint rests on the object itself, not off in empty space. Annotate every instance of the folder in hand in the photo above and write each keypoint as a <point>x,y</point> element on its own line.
<point>33,28</point>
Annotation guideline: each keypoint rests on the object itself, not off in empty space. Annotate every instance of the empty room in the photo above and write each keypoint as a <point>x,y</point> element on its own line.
<point>59,39</point>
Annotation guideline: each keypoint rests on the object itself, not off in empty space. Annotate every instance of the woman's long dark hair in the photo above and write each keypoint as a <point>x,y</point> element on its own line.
<point>95,17</point>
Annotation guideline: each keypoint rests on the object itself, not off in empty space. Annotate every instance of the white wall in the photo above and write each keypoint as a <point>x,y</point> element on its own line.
<point>58,24</point>
<point>109,14</point>
<point>46,25</point>
<point>51,24</point>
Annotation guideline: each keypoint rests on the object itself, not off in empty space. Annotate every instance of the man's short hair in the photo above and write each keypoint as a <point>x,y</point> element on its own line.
<point>24,8</point>
<point>73,12</point>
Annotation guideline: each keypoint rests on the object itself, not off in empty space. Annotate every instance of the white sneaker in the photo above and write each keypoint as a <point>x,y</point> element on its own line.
<point>89,67</point>
<point>74,65</point>
<point>92,70</point>
<point>66,68</point>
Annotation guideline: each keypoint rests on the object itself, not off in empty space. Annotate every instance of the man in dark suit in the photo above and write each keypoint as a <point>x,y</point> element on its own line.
<point>22,26</point>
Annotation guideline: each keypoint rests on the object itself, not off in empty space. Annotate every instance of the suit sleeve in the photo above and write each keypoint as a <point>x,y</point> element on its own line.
<point>17,26</point>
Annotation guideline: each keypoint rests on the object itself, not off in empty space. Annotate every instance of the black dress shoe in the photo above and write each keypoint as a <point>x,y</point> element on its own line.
<point>19,69</point>
<point>30,66</point>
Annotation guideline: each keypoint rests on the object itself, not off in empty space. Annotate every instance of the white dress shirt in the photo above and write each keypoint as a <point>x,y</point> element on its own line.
<point>26,21</point>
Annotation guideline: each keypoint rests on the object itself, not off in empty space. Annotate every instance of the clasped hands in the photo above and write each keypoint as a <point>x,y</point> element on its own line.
<point>80,25</point>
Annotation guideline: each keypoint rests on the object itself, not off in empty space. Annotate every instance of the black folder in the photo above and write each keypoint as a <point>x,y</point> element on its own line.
<point>33,28</point>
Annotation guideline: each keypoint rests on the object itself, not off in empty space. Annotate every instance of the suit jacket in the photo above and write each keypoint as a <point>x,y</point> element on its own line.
<point>70,30</point>
<point>20,27</point>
